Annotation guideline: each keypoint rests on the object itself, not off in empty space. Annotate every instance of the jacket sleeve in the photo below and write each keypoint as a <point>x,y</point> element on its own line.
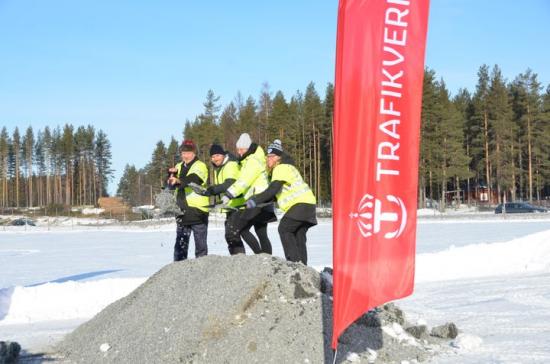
<point>248,175</point>
<point>270,193</point>
<point>222,187</point>
<point>191,178</point>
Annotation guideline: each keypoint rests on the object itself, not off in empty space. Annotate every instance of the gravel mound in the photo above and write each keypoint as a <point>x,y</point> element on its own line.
<point>239,309</point>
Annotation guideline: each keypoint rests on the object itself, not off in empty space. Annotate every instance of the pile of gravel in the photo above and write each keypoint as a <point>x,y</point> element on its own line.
<point>240,309</point>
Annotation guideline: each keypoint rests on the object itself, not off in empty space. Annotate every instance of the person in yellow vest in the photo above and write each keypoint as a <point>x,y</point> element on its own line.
<point>226,172</point>
<point>294,197</point>
<point>194,207</point>
<point>252,179</point>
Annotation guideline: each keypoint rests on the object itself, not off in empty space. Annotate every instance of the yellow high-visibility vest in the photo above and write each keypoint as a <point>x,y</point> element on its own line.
<point>253,176</point>
<point>295,190</point>
<point>193,199</point>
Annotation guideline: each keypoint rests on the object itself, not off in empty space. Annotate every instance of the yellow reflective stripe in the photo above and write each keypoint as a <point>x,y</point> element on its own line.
<point>304,188</point>
<point>239,185</point>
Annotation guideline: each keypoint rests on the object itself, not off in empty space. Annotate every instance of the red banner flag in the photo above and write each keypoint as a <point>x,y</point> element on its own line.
<point>378,95</point>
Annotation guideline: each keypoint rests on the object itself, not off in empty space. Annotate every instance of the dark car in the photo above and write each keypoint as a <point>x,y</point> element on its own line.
<point>22,222</point>
<point>518,208</point>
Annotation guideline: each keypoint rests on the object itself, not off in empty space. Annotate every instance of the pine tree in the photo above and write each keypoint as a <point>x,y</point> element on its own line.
<point>156,173</point>
<point>278,120</point>
<point>525,92</point>
<point>313,120</point>
<point>326,144</point>
<point>428,132</point>
<point>79,163</point>
<point>28,151</point>
<point>57,165</point>
<point>295,144</point>
<point>228,125</point>
<point>47,147</point>
<point>172,153</point>
<point>102,156</point>
<point>248,119</point>
<point>206,124</point>
<point>16,155</point>
<point>265,104</point>
<point>128,186</point>
<point>543,145</point>
<point>39,157</point>
<point>503,133</point>
<point>463,103</point>
<point>455,166</point>
<point>4,160</point>
<point>479,127</point>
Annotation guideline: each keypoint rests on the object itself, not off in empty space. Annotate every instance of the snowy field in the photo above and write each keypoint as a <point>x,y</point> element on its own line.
<point>488,274</point>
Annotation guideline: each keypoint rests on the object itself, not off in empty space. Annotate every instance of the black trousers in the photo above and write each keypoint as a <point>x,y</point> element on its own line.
<point>261,246</point>
<point>238,224</point>
<point>183,234</point>
<point>232,234</point>
<point>293,237</point>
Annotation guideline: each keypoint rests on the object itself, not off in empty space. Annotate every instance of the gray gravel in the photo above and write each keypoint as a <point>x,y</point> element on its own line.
<point>240,309</point>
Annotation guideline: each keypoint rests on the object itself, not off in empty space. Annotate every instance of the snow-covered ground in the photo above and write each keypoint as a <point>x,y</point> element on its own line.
<point>489,274</point>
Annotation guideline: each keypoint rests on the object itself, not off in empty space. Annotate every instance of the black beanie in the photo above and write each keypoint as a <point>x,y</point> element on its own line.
<point>216,149</point>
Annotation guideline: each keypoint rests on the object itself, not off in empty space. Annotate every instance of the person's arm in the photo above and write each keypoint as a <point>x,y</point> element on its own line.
<point>248,174</point>
<point>269,193</point>
<point>190,178</point>
<point>220,188</point>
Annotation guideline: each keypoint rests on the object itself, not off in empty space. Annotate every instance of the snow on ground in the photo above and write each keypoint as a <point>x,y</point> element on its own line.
<point>490,275</point>
<point>523,255</point>
<point>62,301</point>
<point>92,211</point>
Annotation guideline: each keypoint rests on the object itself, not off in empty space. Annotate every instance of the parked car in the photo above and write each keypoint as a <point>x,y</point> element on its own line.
<point>22,222</point>
<point>518,208</point>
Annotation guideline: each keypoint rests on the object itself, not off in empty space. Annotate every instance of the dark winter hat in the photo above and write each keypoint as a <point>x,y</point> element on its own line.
<point>216,149</point>
<point>275,148</point>
<point>188,146</point>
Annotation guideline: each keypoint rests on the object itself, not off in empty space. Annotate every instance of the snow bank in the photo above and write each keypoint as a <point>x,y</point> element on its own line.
<point>65,221</point>
<point>92,211</point>
<point>428,212</point>
<point>451,210</point>
<point>61,301</point>
<point>71,300</point>
<point>527,254</point>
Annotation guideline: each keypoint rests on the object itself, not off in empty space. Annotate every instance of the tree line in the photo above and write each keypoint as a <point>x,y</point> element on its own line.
<point>303,123</point>
<point>56,166</point>
<point>496,137</point>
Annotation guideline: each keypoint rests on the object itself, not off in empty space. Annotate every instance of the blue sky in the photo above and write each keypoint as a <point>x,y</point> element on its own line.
<point>139,69</point>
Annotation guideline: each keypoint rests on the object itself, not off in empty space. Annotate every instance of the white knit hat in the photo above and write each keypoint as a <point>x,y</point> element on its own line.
<point>244,141</point>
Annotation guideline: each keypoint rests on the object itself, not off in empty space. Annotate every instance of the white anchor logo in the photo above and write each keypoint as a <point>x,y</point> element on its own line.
<point>370,216</point>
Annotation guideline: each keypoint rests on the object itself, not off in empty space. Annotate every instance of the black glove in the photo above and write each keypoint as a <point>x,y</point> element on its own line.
<point>210,191</point>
